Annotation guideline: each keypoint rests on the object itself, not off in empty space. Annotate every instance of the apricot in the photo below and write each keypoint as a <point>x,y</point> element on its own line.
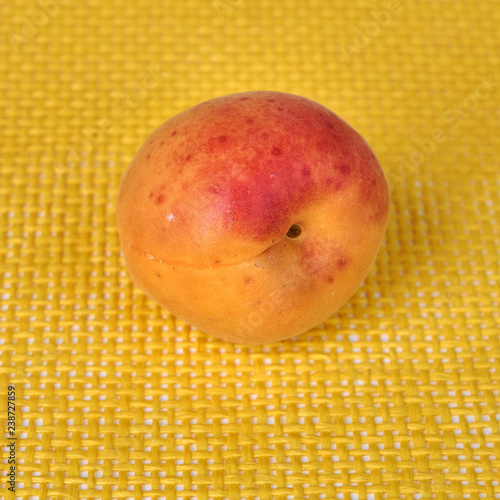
<point>253,216</point>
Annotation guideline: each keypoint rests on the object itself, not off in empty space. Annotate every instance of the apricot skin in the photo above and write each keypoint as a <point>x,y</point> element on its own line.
<point>205,206</point>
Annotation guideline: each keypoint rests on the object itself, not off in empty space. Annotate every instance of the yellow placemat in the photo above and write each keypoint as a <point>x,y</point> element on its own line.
<point>396,396</point>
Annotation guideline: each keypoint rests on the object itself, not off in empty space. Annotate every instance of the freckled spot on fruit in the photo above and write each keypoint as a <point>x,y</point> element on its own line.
<point>330,279</point>
<point>243,98</point>
<point>279,109</point>
<point>374,181</point>
<point>173,133</point>
<point>161,143</point>
<point>329,181</point>
<point>306,171</point>
<point>329,125</point>
<point>339,185</point>
<point>345,169</point>
<point>341,262</point>
<point>148,157</point>
<point>271,100</point>
<point>319,258</point>
<point>188,157</point>
<point>151,195</point>
<point>159,199</point>
<point>250,120</point>
<point>157,275</point>
<point>217,262</point>
<point>264,135</point>
<point>151,141</point>
<point>248,280</point>
<point>214,188</point>
<point>222,138</point>
<point>276,151</point>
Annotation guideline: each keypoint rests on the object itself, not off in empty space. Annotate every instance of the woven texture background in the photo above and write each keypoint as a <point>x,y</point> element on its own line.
<point>395,396</point>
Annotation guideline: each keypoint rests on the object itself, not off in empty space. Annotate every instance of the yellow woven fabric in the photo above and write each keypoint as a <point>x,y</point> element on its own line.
<point>395,396</point>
